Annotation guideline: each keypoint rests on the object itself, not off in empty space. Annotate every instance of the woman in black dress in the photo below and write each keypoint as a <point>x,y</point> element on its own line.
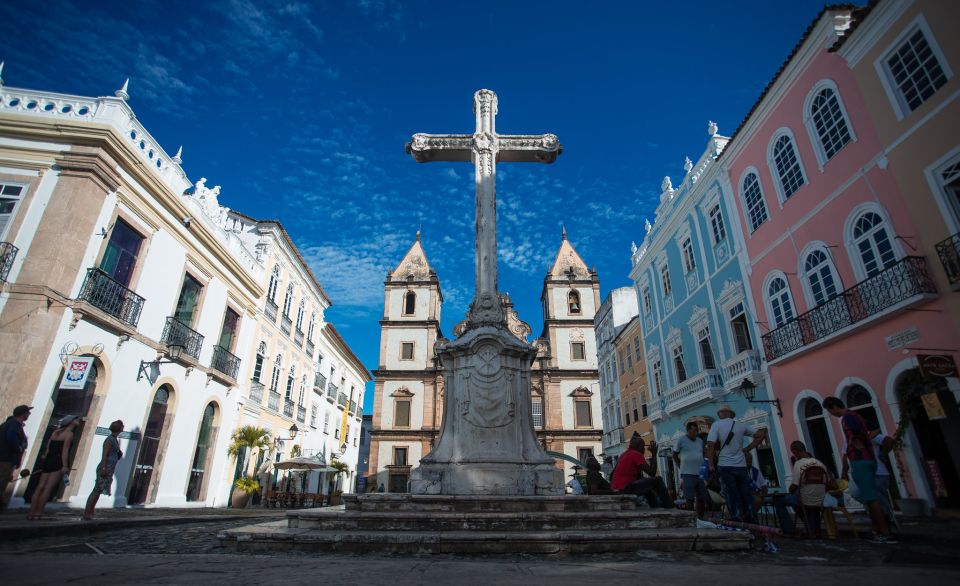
<point>54,464</point>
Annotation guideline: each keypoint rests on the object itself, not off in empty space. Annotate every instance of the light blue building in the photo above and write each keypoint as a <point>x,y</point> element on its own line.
<point>699,327</point>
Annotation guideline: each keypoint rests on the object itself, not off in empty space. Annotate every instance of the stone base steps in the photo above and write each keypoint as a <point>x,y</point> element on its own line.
<point>386,502</point>
<point>276,536</point>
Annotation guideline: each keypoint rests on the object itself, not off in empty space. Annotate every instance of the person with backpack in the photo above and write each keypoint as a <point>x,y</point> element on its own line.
<point>725,452</point>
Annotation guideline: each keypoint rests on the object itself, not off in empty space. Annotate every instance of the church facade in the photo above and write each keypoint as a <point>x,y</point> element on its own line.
<point>409,394</point>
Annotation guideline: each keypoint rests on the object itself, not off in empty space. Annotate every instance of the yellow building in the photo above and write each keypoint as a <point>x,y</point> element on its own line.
<point>634,391</point>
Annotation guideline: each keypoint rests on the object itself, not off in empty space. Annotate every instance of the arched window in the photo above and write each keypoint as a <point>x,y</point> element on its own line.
<point>873,243</point>
<point>778,297</point>
<point>300,310</point>
<point>829,122</point>
<point>202,454</point>
<point>290,376</point>
<point>275,375</point>
<point>860,400</point>
<point>753,198</point>
<point>313,322</point>
<point>288,300</point>
<point>817,436</point>
<point>274,282</point>
<point>819,274</point>
<point>573,302</point>
<point>410,303</point>
<point>787,166</point>
<point>258,361</point>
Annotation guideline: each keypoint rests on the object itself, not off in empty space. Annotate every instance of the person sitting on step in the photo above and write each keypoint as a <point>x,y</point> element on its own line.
<point>628,475</point>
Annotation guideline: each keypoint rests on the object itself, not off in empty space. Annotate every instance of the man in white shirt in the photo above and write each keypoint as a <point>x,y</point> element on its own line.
<point>726,438</point>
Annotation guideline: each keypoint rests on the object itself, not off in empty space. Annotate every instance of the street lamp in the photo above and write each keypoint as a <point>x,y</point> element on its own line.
<point>174,351</point>
<point>294,430</point>
<point>749,390</point>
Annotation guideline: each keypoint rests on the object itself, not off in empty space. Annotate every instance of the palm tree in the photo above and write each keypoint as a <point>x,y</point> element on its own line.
<point>341,468</point>
<point>250,437</point>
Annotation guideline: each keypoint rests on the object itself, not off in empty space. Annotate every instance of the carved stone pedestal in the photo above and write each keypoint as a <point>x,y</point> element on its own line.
<point>487,445</point>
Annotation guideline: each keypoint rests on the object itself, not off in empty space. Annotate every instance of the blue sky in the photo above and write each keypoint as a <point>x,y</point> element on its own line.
<point>301,110</point>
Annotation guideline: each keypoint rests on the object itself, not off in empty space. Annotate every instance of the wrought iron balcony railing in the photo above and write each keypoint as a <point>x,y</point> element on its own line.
<point>270,310</point>
<point>353,407</point>
<point>8,253</point>
<point>273,401</point>
<point>319,382</point>
<point>176,332</point>
<point>225,362</point>
<point>342,399</point>
<point>298,337</point>
<point>906,279</point>
<point>332,390</point>
<point>107,295</point>
<point>310,348</point>
<point>949,252</point>
<point>301,413</point>
<point>256,392</point>
<point>285,324</point>
<point>288,408</point>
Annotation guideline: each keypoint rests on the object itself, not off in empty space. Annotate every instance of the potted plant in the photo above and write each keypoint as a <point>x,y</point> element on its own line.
<point>243,489</point>
<point>336,497</point>
<point>243,441</point>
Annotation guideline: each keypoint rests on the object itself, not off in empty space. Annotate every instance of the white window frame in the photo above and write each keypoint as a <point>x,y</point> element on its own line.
<point>949,208</point>
<point>768,301</point>
<point>772,164</point>
<point>715,221</point>
<point>688,254</point>
<point>851,245</point>
<point>808,294</point>
<point>818,148</point>
<point>899,105</point>
<point>743,198</point>
<point>16,207</point>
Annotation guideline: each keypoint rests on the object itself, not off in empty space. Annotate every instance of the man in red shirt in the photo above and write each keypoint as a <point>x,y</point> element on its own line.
<point>628,475</point>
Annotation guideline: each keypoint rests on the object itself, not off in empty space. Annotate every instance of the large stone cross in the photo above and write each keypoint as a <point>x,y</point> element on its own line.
<point>485,148</point>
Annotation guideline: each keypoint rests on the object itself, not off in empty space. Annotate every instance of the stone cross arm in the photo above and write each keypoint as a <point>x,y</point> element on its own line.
<point>510,148</point>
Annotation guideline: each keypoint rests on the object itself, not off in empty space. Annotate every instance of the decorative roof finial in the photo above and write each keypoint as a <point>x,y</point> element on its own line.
<point>647,225</point>
<point>633,247</point>
<point>666,186</point>
<point>712,128</point>
<point>122,92</point>
<point>418,235</point>
<point>177,158</point>
<point>687,164</point>
<point>564,232</point>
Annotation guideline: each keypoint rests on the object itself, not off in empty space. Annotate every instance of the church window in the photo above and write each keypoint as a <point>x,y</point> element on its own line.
<point>829,121</point>
<point>275,375</point>
<point>781,307</point>
<point>706,351</point>
<point>288,301</point>
<point>678,363</point>
<point>577,351</point>
<point>647,305</point>
<point>258,361</point>
<point>406,350</point>
<point>274,282</point>
<point>400,456</point>
<point>401,413</point>
<point>409,303</point>
<point>716,224</point>
<point>689,261</point>
<point>665,279</point>
<point>915,69</point>
<point>741,331</point>
<point>537,406</point>
<point>820,279</point>
<point>787,166</point>
<point>582,413</point>
<point>573,302</point>
<point>658,377</point>
<point>292,375</point>
<point>873,244</point>
<point>753,198</point>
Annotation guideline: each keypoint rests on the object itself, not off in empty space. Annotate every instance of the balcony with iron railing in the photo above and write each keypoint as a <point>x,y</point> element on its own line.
<point>332,391</point>
<point>301,413</point>
<point>285,324</point>
<point>705,386</point>
<point>903,284</point>
<point>310,348</point>
<point>111,297</point>
<point>746,364</point>
<point>949,252</point>
<point>342,400</point>
<point>288,408</point>
<point>273,401</point>
<point>298,338</point>
<point>352,408</point>
<point>176,332</point>
<point>8,253</point>
<point>256,392</point>
<point>319,382</point>
<point>270,310</point>
<point>225,362</point>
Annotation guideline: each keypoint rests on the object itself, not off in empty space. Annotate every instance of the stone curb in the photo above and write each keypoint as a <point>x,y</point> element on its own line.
<point>57,528</point>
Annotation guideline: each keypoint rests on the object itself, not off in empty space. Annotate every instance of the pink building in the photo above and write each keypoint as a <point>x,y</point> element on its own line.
<point>837,272</point>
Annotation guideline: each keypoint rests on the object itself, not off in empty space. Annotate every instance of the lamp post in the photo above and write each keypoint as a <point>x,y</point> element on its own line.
<point>749,390</point>
<point>174,351</point>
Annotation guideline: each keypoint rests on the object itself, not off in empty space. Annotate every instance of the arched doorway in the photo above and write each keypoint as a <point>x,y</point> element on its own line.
<point>938,439</point>
<point>150,446</point>
<point>66,401</point>
<point>817,435</point>
<point>196,489</point>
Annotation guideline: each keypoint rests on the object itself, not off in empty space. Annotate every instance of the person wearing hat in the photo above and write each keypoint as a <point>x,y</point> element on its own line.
<point>13,443</point>
<point>725,453</point>
<point>54,464</point>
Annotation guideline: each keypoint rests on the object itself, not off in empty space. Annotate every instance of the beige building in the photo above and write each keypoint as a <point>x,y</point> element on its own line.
<point>408,400</point>
<point>634,391</point>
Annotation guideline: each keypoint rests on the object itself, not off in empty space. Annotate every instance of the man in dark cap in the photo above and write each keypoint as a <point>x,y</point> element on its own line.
<point>13,443</point>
